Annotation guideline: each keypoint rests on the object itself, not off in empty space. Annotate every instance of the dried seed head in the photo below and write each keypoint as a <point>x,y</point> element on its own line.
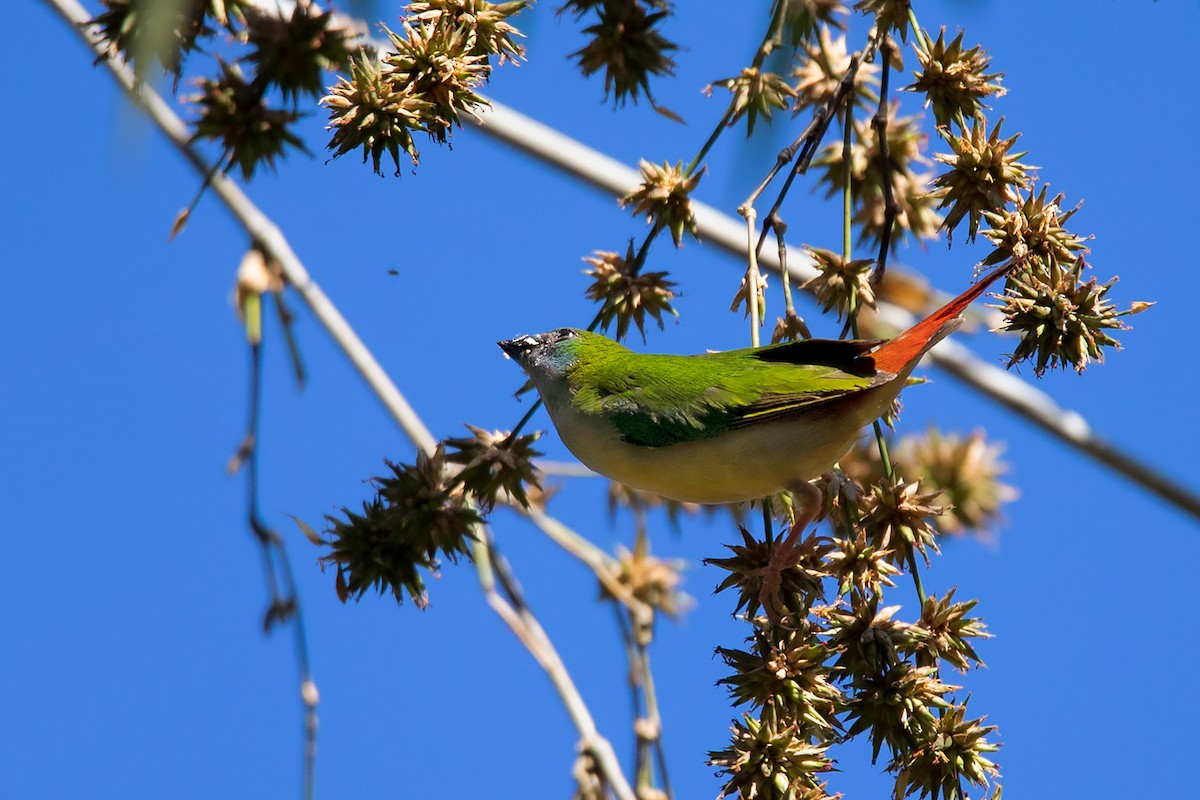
<point>767,758</point>
<point>292,52</point>
<point>367,111</point>
<point>755,93</point>
<point>495,464</point>
<point>965,471</point>
<point>486,22</point>
<point>627,295</point>
<point>841,286</point>
<point>821,69</point>
<point>626,44</point>
<point>416,516</point>
<point>889,14</point>
<point>664,196</point>
<point>983,176</point>
<point>1034,230</point>
<point>954,80</point>
<point>900,519</point>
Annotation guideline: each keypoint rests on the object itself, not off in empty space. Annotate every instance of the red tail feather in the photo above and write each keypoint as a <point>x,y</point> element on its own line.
<point>905,349</point>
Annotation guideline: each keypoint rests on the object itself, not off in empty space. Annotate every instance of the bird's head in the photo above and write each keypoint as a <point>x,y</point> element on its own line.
<point>548,354</point>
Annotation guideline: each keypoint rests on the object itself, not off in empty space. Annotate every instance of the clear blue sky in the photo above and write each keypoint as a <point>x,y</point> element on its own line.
<point>133,662</point>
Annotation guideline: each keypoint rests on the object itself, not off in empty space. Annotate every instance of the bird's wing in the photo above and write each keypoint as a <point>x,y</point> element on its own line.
<point>660,400</point>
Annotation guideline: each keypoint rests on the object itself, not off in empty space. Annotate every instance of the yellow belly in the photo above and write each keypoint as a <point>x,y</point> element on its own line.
<point>738,465</point>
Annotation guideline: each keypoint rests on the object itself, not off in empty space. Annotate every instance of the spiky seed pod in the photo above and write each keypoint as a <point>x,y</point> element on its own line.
<point>947,753</point>
<point>652,580</point>
<point>368,112</point>
<point>818,74</point>
<point>627,45</point>
<point>896,706</point>
<point>293,52</point>
<point>234,112</point>
<point>495,464</point>
<point>769,760</point>
<point>415,517</point>
<point>866,638</point>
<point>626,295</point>
<point>954,79</point>
<point>750,567</point>
<point>437,61</point>
<point>860,566</point>
<point>984,175</point>
<point>488,22</point>
<point>1034,231</point>
<point>785,668</point>
<point>1062,321</point>
<point>889,14</point>
<point>151,31</point>
<point>755,93</point>
<point>840,285</point>
<point>965,471</point>
<point>665,197</point>
<point>900,519</point>
<point>803,18</point>
<point>790,328</point>
<point>742,296</point>
<point>948,630</point>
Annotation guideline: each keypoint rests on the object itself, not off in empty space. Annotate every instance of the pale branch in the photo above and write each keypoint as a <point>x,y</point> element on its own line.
<point>267,236</point>
<point>611,176</point>
<point>258,226</point>
<point>511,607</point>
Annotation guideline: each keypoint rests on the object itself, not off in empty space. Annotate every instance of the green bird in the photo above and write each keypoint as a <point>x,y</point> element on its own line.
<point>723,427</point>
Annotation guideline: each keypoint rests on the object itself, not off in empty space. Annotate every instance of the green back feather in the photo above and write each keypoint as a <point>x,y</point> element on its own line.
<point>659,400</point>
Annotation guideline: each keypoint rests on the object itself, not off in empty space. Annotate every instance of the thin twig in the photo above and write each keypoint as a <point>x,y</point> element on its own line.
<point>879,123</point>
<point>512,608</point>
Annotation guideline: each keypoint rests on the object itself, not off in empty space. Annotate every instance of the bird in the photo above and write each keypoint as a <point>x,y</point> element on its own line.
<point>724,427</point>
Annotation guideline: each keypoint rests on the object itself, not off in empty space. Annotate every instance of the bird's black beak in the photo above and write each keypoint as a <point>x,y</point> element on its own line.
<point>514,347</point>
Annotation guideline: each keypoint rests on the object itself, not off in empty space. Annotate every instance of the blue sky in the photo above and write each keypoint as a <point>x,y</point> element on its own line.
<point>133,662</point>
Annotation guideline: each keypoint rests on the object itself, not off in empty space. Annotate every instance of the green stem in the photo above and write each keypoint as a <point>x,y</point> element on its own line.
<point>847,187</point>
<point>694,164</point>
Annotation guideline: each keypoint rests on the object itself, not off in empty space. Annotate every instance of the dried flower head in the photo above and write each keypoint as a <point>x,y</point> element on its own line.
<point>1034,230</point>
<point>915,217</point>
<point>664,196</point>
<point>860,566</point>
<point>889,14</point>
<point>415,516</point>
<point>235,113</point>
<point>652,580</point>
<point>819,72</point>
<point>751,570</point>
<point>755,93</point>
<point>785,668</point>
<point>742,297</point>
<point>151,31</point>
<point>1062,321</point>
<point>900,519</point>
<point>487,23</point>
<point>438,62</point>
<point>983,176</point>
<point>948,630</point>
<point>802,18</point>
<point>293,52</point>
<point>790,328</point>
<point>495,464</point>
<point>841,286</point>
<point>368,112</point>
<point>895,705</point>
<point>866,638</point>
<point>627,295</point>
<point>639,502</point>
<point>954,80</point>
<point>626,44</point>
<point>965,471</point>
<point>771,759</point>
<point>950,750</point>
